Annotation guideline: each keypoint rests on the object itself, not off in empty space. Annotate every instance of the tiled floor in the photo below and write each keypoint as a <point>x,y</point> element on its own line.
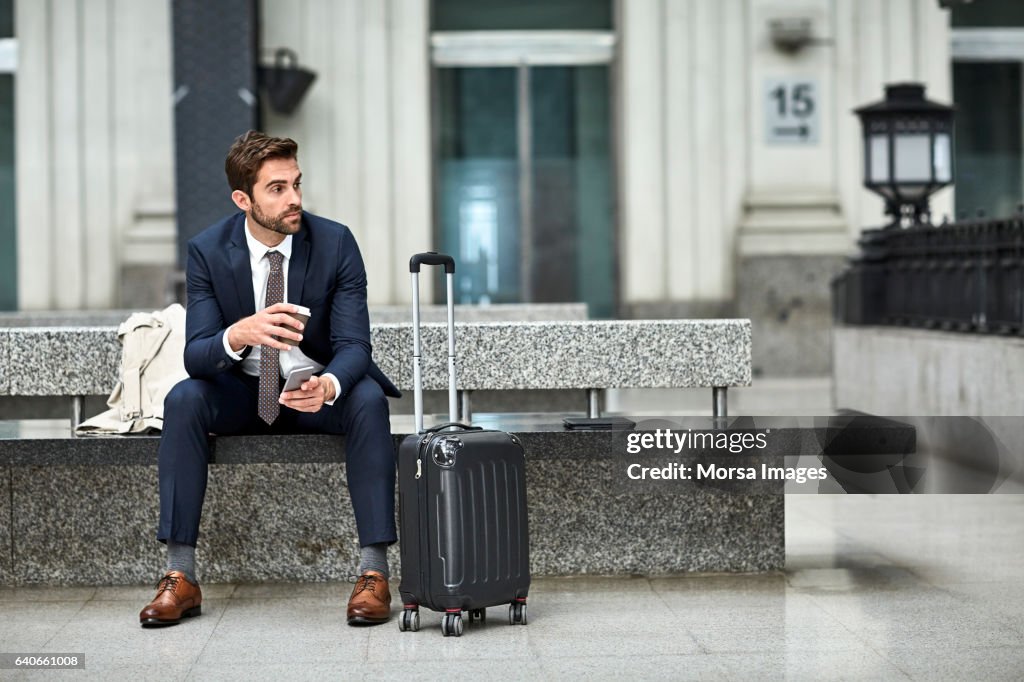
<point>894,587</point>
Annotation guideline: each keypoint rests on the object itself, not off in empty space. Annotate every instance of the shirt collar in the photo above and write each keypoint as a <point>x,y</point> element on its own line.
<point>257,250</point>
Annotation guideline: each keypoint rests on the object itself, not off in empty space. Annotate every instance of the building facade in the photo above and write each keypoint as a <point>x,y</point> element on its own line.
<point>649,157</point>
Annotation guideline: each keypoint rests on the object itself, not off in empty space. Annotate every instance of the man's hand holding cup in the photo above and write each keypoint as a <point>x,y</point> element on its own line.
<point>278,326</point>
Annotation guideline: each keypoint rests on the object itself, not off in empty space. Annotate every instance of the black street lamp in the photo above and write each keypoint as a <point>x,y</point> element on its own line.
<point>908,150</point>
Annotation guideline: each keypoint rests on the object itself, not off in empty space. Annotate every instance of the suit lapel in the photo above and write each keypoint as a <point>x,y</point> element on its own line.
<point>238,253</point>
<point>299,263</point>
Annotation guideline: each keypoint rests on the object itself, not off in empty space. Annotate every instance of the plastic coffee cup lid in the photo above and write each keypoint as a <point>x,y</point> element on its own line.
<point>302,310</point>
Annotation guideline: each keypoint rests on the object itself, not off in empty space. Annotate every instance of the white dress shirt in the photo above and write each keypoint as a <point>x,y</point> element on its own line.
<point>260,266</point>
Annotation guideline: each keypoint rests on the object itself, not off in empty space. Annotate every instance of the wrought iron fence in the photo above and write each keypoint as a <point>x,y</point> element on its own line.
<point>965,276</point>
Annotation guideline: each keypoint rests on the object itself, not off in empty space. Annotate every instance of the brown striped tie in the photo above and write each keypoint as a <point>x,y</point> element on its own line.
<point>270,368</point>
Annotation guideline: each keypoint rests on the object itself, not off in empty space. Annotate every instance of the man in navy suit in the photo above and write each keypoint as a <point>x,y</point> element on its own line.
<point>245,274</point>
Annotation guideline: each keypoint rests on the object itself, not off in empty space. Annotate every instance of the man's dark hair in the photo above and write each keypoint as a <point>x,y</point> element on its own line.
<point>247,154</point>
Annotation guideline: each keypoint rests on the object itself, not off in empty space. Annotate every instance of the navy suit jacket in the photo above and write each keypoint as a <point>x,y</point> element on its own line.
<point>325,274</point>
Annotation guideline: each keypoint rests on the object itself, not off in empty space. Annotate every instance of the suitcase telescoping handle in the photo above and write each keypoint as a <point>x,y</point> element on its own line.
<point>432,258</point>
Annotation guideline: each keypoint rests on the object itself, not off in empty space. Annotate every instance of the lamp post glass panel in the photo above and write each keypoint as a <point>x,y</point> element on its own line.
<point>908,150</point>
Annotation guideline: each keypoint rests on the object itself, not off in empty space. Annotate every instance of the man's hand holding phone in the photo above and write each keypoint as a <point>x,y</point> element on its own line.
<point>304,392</point>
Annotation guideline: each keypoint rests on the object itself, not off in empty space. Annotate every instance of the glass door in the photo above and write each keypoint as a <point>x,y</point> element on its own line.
<point>525,193</point>
<point>989,156</point>
<point>988,90</point>
<point>478,182</point>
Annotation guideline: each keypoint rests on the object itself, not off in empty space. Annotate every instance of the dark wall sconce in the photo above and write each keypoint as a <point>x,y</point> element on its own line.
<point>286,82</point>
<point>792,34</point>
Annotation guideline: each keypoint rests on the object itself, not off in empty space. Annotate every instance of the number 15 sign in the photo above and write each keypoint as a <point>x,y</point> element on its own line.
<point>791,111</point>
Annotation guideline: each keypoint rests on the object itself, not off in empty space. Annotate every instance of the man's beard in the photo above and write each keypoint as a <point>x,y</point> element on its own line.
<point>276,223</point>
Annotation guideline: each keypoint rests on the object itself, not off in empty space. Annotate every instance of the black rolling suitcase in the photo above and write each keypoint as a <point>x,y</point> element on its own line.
<point>462,505</point>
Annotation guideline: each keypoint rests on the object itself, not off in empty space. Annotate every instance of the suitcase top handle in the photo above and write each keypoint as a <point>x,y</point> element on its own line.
<point>432,258</point>
<point>450,425</point>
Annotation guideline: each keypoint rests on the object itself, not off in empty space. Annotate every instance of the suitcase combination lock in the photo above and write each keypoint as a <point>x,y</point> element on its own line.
<point>445,450</point>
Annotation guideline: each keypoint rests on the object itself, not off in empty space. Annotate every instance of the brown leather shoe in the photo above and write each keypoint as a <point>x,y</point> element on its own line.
<point>176,598</point>
<point>370,602</point>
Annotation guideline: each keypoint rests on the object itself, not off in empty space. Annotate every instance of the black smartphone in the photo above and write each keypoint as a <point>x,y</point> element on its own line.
<point>598,423</point>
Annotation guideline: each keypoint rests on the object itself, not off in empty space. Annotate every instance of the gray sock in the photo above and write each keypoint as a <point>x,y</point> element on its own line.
<point>374,558</point>
<point>182,558</point>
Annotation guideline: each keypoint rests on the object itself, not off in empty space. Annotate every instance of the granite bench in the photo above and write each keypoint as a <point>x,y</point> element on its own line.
<point>588,355</point>
<point>83,509</point>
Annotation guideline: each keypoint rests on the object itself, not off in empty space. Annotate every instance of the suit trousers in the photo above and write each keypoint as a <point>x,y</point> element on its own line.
<point>226,405</point>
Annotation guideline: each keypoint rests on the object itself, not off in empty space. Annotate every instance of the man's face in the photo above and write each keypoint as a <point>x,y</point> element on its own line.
<point>277,196</point>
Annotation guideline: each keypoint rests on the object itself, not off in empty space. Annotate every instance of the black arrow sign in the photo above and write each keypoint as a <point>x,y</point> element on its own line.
<point>800,131</point>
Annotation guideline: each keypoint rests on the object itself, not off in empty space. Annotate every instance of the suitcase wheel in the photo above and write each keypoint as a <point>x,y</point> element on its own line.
<point>478,614</point>
<point>517,613</point>
<point>409,620</point>
<point>451,625</point>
